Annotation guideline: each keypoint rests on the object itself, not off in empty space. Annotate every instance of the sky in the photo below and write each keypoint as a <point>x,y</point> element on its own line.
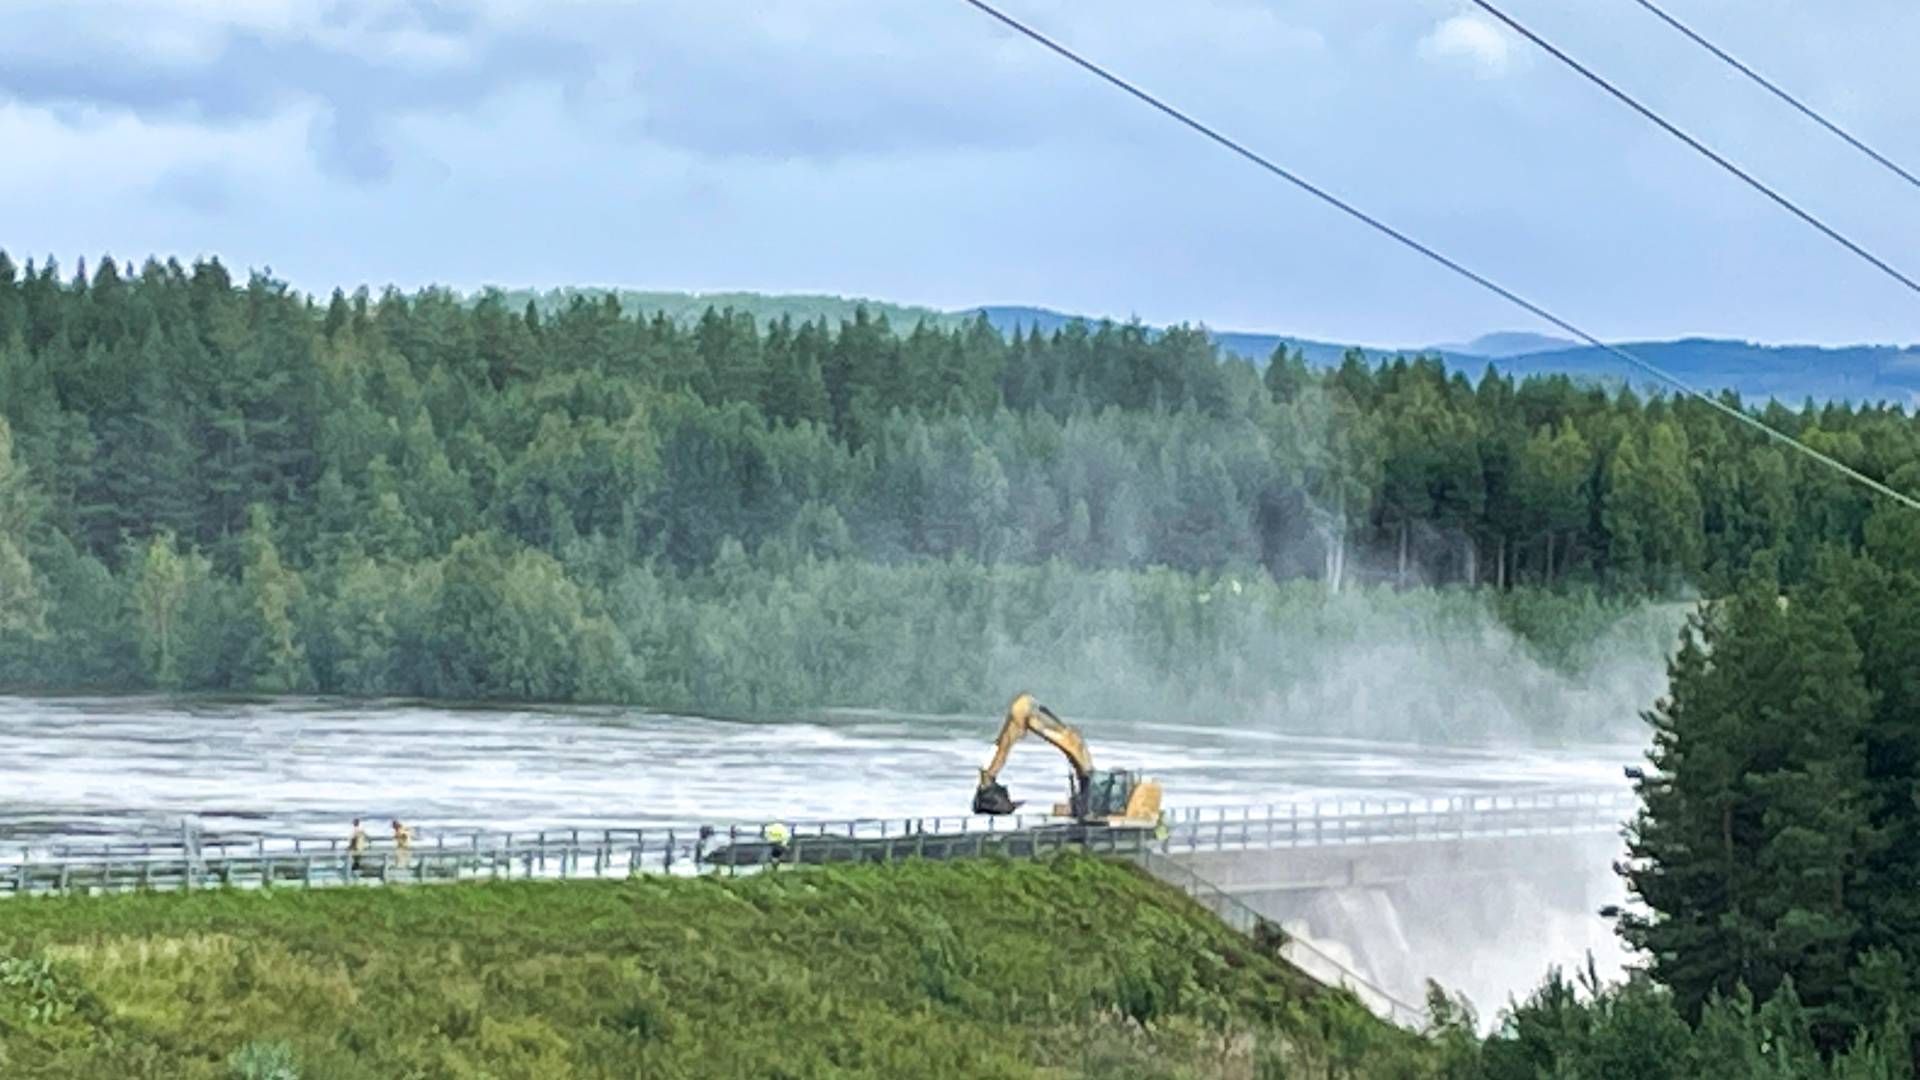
<point>914,151</point>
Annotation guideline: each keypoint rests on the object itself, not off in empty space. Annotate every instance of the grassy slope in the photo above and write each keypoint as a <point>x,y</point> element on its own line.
<point>977,970</point>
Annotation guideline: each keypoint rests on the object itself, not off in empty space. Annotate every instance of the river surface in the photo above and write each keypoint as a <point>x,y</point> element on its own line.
<point>75,768</point>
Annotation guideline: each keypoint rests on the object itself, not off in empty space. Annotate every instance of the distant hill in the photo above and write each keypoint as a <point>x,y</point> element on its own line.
<point>689,306</point>
<point>1790,373</point>
<point>1255,347</point>
<point>1509,343</point>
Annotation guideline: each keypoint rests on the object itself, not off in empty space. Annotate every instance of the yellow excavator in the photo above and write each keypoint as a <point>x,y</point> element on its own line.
<point>1116,797</point>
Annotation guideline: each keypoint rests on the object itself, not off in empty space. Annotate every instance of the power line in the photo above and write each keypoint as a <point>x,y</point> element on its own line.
<point>1430,253</point>
<point>1776,91</point>
<point>1665,125</point>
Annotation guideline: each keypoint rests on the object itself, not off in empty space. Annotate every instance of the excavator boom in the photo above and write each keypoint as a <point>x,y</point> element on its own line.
<point>1025,716</point>
<point>1096,797</point>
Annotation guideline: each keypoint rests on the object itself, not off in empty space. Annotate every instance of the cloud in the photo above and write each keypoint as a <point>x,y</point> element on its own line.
<point>818,79</point>
<point>203,188</point>
<point>920,152</point>
<point>349,147</point>
<point>1473,40</point>
<point>227,66</point>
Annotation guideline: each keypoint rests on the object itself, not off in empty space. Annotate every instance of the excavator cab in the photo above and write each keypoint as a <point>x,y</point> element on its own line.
<point>1111,793</point>
<point>1118,797</point>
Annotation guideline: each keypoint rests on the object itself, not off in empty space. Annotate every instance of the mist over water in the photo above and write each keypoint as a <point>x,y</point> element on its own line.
<point>1489,939</point>
<point>72,767</point>
<point>1440,667</point>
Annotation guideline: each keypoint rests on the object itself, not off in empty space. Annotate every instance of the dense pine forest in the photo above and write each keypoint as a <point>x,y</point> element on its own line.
<point>228,485</point>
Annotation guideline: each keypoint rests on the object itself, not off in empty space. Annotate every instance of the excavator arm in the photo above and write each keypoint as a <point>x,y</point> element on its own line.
<point>1095,797</point>
<point>1026,716</point>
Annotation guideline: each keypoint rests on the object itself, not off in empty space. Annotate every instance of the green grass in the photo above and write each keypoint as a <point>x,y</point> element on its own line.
<point>1067,968</point>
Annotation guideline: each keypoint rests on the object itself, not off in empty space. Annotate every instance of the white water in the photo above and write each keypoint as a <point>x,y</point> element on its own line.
<point>74,767</point>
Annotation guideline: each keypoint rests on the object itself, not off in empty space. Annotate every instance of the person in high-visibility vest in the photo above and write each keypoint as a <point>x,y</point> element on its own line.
<point>777,835</point>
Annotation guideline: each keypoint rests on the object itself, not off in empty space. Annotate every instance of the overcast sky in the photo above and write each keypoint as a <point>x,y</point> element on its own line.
<point>912,150</point>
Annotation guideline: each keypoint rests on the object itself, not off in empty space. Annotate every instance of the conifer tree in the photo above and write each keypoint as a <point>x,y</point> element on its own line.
<point>1623,514</point>
<point>1754,827</point>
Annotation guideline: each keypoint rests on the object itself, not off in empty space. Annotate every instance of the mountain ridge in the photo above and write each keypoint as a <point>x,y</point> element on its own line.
<point>1756,371</point>
<point>1791,373</point>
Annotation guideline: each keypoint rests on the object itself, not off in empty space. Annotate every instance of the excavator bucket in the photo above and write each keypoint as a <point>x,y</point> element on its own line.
<point>994,798</point>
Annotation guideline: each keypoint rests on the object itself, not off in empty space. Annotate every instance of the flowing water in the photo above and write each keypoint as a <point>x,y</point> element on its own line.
<point>93,767</point>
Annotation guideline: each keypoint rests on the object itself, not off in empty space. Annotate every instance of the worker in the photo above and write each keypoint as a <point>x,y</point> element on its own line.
<point>777,836</point>
<point>402,846</point>
<point>357,846</point>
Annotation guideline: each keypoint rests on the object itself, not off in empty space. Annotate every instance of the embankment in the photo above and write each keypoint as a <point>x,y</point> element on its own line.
<point>984,969</point>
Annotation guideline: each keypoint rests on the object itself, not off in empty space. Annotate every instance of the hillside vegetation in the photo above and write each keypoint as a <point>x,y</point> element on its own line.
<point>1068,968</point>
<point>230,486</point>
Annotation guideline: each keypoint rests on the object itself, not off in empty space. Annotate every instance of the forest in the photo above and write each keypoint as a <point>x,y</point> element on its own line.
<point>223,485</point>
<point>228,486</point>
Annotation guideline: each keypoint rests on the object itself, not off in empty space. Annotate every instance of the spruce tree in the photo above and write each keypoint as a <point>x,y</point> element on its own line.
<point>1286,374</point>
<point>1886,619</point>
<point>1752,838</point>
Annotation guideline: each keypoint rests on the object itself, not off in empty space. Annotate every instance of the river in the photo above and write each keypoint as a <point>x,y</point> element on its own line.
<point>95,767</point>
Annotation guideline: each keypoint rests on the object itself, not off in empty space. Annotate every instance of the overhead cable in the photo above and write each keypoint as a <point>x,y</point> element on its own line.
<point>1809,111</point>
<point>1702,148</point>
<point>1436,256</point>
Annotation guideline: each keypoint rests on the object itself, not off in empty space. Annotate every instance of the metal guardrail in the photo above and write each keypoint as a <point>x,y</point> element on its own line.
<point>1281,825</point>
<point>309,861</point>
